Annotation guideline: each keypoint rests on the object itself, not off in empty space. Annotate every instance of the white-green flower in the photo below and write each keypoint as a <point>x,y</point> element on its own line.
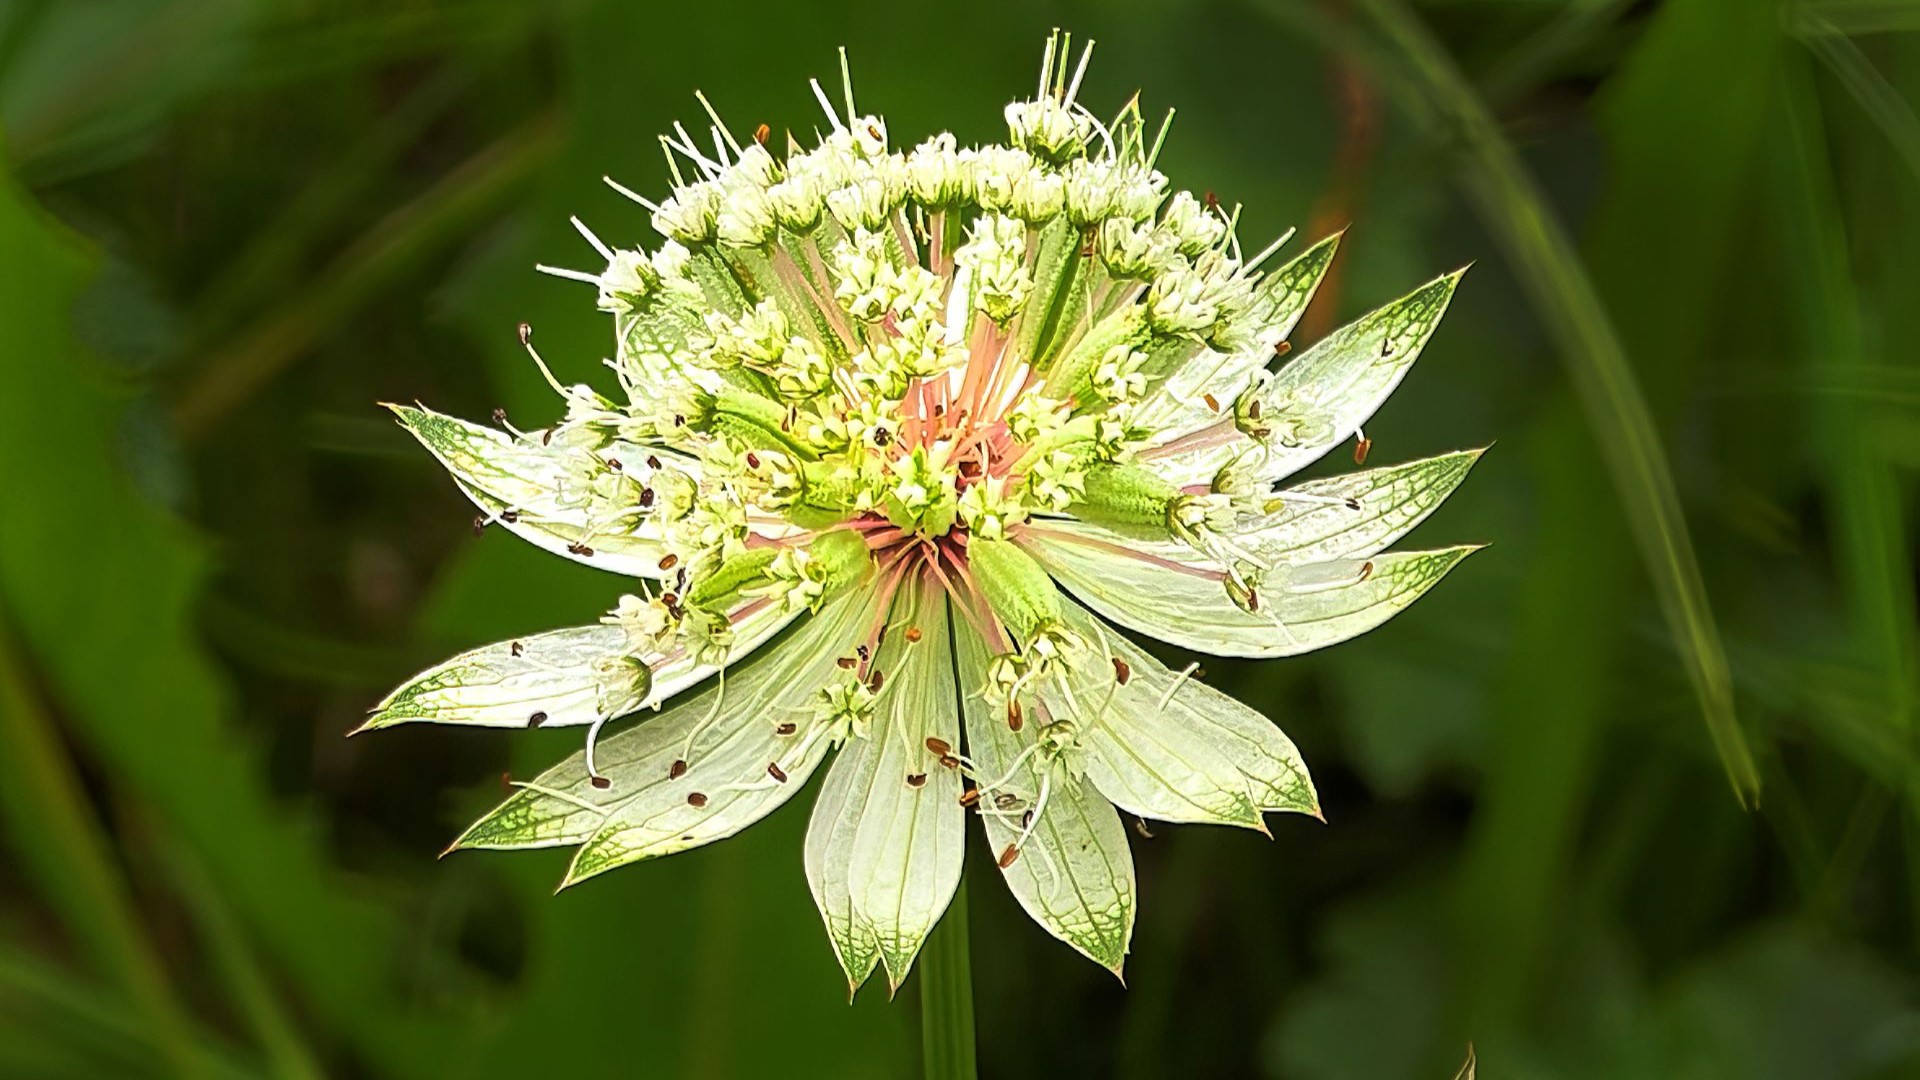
<point>898,441</point>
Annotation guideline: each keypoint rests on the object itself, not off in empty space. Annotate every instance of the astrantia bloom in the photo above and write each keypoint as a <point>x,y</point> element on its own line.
<point>910,428</point>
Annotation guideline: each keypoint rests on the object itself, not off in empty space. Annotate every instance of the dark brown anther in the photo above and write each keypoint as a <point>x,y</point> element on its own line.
<point>536,719</point>
<point>866,654</point>
<point>874,131</point>
<point>602,783</point>
<point>580,549</point>
<point>546,437</point>
<point>881,436</point>
<point>970,796</point>
<point>1008,856</point>
<point>936,745</point>
<point>1026,820</point>
<point>969,469</point>
<point>916,779</point>
<point>1386,348</point>
<point>676,770</point>
<point>1006,800</point>
<point>753,460</point>
<point>939,409</point>
<point>1213,403</point>
<point>1353,504</point>
<point>1015,718</point>
<point>1121,672</point>
<point>1253,409</point>
<point>511,517</point>
<point>516,648</point>
<point>913,634</point>
<point>670,598</point>
<point>773,770</point>
<point>506,783</point>
<point>1199,672</point>
<point>786,729</point>
<point>479,524</point>
<point>1253,600</point>
<point>646,498</point>
<point>1282,348</point>
<point>761,134</point>
<point>847,663</point>
<point>614,464</point>
<point>1140,826</point>
<point>876,680</point>
<point>696,799</point>
<point>1366,570</point>
<point>526,333</point>
<point>1213,201</point>
<point>669,562</point>
<point>652,462</point>
<point>1361,449</point>
<point>500,416</point>
<point>948,761</point>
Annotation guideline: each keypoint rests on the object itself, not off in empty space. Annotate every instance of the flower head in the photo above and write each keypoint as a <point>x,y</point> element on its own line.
<point>897,441</point>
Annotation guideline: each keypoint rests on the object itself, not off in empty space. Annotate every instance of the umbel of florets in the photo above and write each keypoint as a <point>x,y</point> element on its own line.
<point>894,441</point>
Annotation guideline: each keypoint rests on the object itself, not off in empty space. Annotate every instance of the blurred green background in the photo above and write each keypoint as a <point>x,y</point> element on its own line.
<point>228,227</point>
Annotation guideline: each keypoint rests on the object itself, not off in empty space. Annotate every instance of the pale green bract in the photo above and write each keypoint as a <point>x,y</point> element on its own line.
<point>895,443</point>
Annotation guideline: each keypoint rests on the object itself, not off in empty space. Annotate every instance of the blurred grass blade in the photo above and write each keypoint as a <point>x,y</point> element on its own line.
<point>253,994</point>
<point>437,216</point>
<point>1881,385</point>
<point>100,103</point>
<point>1876,572</point>
<point>322,207</point>
<point>59,1024</point>
<point>50,822</point>
<point>1546,263</point>
<point>1858,16</point>
<point>1890,112</point>
<point>1863,499</point>
<point>1535,58</point>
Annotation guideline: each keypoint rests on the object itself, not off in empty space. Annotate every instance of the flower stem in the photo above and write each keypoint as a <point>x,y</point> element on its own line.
<point>946,997</point>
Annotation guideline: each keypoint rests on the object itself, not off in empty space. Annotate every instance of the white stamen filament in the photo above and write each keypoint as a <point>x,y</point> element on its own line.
<point>1174,686</point>
<point>587,234</point>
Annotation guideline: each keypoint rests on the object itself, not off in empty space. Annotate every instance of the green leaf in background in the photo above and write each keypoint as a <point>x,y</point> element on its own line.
<point>139,692</point>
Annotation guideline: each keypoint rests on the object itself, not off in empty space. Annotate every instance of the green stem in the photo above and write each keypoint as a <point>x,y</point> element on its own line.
<point>946,997</point>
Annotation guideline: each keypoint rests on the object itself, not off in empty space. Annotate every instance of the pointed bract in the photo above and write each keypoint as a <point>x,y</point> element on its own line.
<point>1074,876</point>
<point>1321,604</point>
<point>521,486</point>
<point>561,678</point>
<point>884,847</point>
